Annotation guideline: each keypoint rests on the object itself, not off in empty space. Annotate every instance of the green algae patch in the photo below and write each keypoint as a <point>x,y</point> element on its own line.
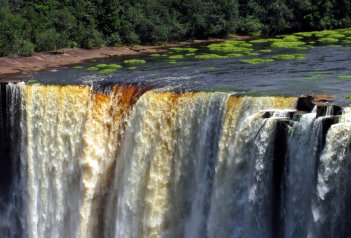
<point>78,67</point>
<point>344,76</point>
<point>211,69</point>
<point>114,66</point>
<point>210,56</point>
<point>256,61</point>
<point>101,66</point>
<point>347,41</point>
<point>172,62</point>
<point>176,57</point>
<point>108,70</point>
<point>316,75</point>
<point>184,49</point>
<point>288,44</point>
<point>155,55</point>
<point>264,40</point>
<point>304,34</point>
<point>289,57</point>
<point>348,97</point>
<point>266,51</point>
<point>234,55</point>
<point>190,54</point>
<point>33,81</point>
<point>134,61</point>
<point>253,54</point>
<point>328,40</point>
<point>132,68</point>
<point>93,68</point>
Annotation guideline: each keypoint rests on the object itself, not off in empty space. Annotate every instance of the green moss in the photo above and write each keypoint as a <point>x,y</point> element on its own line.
<point>289,57</point>
<point>78,67</point>
<point>184,49</point>
<point>134,61</point>
<point>266,51</point>
<point>155,55</point>
<point>256,61</point>
<point>101,66</point>
<point>345,76</point>
<point>328,40</point>
<point>176,57</point>
<point>210,56</point>
<point>108,70</point>
<point>92,68</point>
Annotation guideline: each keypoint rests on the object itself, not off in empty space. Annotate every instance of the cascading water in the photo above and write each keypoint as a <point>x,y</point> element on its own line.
<point>120,161</point>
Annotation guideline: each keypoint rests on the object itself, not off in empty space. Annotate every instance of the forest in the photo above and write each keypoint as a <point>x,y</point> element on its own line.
<point>28,26</point>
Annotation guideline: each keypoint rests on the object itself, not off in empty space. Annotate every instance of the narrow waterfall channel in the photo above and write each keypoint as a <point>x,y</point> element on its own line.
<point>123,161</point>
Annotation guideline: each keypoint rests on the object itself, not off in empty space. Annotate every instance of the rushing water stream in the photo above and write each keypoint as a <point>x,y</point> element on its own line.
<point>121,162</point>
<point>181,150</point>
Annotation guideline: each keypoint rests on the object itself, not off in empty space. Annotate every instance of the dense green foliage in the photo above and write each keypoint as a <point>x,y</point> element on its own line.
<point>47,25</point>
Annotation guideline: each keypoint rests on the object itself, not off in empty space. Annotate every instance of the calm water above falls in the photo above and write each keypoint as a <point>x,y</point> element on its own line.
<point>318,73</point>
<point>117,160</point>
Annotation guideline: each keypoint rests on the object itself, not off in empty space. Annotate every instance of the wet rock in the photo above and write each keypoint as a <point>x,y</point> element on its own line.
<point>328,110</point>
<point>305,103</point>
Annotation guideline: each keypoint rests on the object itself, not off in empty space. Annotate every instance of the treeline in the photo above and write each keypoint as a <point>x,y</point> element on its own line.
<point>47,25</point>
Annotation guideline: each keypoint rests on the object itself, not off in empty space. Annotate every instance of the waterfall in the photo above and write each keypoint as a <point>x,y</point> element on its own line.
<point>123,161</point>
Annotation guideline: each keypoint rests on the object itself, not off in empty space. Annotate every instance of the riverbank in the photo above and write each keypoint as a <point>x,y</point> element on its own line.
<point>64,57</point>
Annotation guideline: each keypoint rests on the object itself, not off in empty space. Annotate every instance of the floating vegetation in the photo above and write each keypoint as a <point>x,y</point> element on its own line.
<point>289,57</point>
<point>253,54</point>
<point>328,40</point>
<point>114,66</point>
<point>234,55</point>
<point>134,61</point>
<point>266,51</point>
<point>172,62</point>
<point>316,75</point>
<point>344,76</point>
<point>292,38</point>
<point>176,57</point>
<point>33,81</point>
<point>348,97</point>
<point>190,54</point>
<point>256,61</point>
<point>184,49</point>
<point>155,55</point>
<point>132,68</point>
<point>210,56</point>
<point>289,45</point>
<point>78,67</point>
<point>304,34</point>
<point>101,66</point>
<point>93,68</point>
<point>266,40</point>
<point>108,70</point>
<point>211,69</point>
